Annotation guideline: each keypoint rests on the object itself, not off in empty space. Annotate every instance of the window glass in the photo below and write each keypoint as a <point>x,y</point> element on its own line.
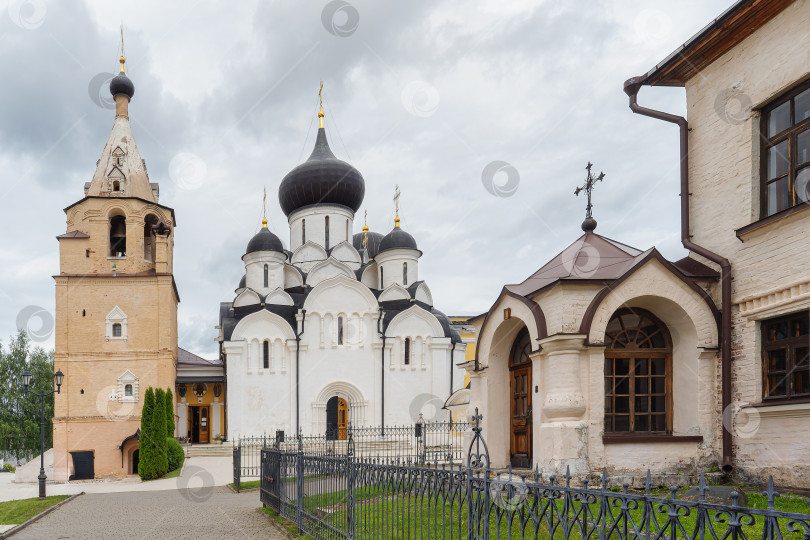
<point>802,185</point>
<point>803,152</point>
<point>779,119</point>
<point>128,390</point>
<point>786,357</point>
<point>116,330</point>
<point>778,160</point>
<point>802,107</point>
<point>778,196</point>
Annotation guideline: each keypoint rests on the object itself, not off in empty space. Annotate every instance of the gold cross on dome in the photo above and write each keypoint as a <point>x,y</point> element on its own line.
<point>396,204</point>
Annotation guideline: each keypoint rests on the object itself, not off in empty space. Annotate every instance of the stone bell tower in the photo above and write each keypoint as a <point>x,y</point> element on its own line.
<point>116,308</point>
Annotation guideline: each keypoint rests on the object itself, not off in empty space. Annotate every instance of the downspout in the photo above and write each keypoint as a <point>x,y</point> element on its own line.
<point>382,373</point>
<point>631,88</point>
<point>297,373</point>
<point>452,350</point>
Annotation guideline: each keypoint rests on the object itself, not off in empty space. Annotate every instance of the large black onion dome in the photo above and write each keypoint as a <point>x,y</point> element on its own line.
<point>321,179</point>
<point>121,84</point>
<point>264,241</point>
<point>397,239</point>
<point>373,244</point>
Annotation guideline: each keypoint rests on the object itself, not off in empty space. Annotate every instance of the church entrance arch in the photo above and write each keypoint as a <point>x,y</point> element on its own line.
<point>520,401</point>
<point>337,418</point>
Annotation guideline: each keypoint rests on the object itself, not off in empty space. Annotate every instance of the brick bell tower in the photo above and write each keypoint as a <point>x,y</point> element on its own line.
<point>116,308</point>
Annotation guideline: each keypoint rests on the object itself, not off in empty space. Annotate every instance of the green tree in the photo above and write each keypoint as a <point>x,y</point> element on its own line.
<point>169,412</point>
<point>158,433</point>
<point>20,413</point>
<point>146,451</point>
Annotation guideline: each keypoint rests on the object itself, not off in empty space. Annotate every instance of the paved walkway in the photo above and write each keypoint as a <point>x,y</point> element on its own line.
<point>198,472</point>
<point>197,513</point>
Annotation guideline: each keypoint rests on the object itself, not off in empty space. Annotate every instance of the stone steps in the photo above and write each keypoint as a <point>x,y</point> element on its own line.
<point>209,450</point>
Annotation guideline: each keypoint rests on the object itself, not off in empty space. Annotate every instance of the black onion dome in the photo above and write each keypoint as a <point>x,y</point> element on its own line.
<point>397,239</point>
<point>243,282</point>
<point>373,244</point>
<point>121,84</point>
<point>264,241</point>
<point>321,179</point>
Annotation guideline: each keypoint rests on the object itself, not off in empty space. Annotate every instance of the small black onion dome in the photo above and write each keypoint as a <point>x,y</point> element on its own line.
<point>243,282</point>
<point>373,244</point>
<point>397,239</point>
<point>264,241</point>
<point>121,84</point>
<point>321,179</point>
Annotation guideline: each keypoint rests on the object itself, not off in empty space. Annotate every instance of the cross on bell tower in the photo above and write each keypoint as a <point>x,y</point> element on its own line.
<point>589,224</point>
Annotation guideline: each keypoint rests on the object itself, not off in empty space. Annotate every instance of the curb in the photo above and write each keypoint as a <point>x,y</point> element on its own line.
<point>37,517</point>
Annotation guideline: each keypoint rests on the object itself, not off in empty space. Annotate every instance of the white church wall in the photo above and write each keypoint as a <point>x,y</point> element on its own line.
<point>328,269</point>
<point>313,218</point>
<point>254,270</point>
<point>308,255</point>
<point>392,261</point>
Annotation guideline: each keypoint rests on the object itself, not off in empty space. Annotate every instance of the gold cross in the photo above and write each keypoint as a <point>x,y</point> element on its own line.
<point>365,230</point>
<point>320,94</point>
<point>396,204</point>
<point>264,203</point>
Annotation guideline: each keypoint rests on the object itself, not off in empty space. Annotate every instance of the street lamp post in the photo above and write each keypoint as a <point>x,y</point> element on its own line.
<point>58,378</point>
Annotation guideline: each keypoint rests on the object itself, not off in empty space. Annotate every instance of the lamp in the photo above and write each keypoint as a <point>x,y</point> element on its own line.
<point>26,378</point>
<point>58,377</point>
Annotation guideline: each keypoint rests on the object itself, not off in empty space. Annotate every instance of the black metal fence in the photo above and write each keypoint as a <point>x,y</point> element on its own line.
<point>422,442</point>
<point>356,497</point>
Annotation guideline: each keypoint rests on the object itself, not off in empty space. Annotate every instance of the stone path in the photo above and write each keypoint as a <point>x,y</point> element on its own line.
<point>193,513</point>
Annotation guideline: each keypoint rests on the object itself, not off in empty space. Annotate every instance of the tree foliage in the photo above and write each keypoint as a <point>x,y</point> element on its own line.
<point>158,432</point>
<point>147,467</point>
<point>169,413</point>
<point>20,413</point>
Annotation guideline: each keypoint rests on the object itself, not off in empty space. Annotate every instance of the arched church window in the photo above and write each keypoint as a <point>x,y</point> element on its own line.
<point>118,236</point>
<point>116,186</point>
<point>407,357</point>
<point>128,390</point>
<point>347,230</point>
<point>340,330</point>
<point>326,232</point>
<point>303,231</point>
<point>266,354</point>
<point>116,330</point>
<point>382,275</point>
<point>266,276</point>
<point>638,374</point>
<point>404,273</point>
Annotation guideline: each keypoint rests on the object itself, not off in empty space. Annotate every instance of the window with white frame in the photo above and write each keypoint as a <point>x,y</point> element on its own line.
<point>116,324</point>
<point>128,387</point>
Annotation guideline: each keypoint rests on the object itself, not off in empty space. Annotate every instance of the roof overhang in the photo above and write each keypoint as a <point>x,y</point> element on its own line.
<point>717,38</point>
<point>203,379</point>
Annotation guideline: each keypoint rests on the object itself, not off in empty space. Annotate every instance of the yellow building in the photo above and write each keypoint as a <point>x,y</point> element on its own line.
<point>116,308</point>
<point>468,328</point>
<point>200,394</point>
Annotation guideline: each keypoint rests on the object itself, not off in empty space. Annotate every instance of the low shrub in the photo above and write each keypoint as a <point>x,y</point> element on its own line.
<point>9,467</point>
<point>175,453</point>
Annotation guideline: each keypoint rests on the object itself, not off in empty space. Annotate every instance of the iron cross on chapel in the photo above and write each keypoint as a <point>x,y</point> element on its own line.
<point>589,224</point>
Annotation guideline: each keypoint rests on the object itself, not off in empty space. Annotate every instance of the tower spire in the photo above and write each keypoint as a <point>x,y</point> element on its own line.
<point>396,206</point>
<point>264,209</point>
<point>320,112</point>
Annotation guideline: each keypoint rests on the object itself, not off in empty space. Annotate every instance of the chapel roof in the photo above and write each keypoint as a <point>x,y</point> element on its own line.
<point>592,257</point>
<point>189,358</point>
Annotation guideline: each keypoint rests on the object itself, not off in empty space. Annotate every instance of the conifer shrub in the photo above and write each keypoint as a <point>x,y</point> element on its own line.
<point>169,413</point>
<point>175,453</point>
<point>146,452</point>
<point>157,433</point>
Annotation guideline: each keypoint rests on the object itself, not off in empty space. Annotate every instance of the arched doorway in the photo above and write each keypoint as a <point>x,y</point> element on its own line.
<point>337,418</point>
<point>135,458</point>
<point>520,401</point>
<point>638,373</point>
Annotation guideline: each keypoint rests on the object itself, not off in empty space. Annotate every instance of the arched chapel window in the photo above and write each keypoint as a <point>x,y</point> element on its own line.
<point>638,374</point>
<point>407,357</point>
<point>266,354</point>
<point>303,231</point>
<point>326,232</point>
<point>340,330</point>
<point>382,275</point>
<point>404,273</point>
<point>266,276</point>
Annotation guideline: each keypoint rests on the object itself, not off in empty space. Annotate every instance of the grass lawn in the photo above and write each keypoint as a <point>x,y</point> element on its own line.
<point>250,484</point>
<point>173,474</point>
<point>379,508</point>
<point>288,525</point>
<point>16,512</point>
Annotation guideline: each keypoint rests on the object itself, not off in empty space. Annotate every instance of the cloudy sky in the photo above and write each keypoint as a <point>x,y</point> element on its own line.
<point>423,94</point>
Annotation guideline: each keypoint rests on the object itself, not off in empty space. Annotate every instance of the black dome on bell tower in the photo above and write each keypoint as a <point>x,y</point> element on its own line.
<point>321,179</point>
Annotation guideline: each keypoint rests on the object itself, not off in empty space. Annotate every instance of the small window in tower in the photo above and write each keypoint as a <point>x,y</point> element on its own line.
<point>303,231</point>
<point>405,273</point>
<point>116,186</point>
<point>116,330</point>
<point>340,331</point>
<point>118,236</point>
<point>347,230</point>
<point>326,232</point>
<point>407,359</point>
<point>266,354</point>
<point>266,276</point>
<point>128,390</point>
<point>87,253</point>
<point>381,277</point>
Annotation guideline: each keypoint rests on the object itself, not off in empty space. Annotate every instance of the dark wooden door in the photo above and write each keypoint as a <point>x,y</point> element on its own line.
<point>521,416</point>
<point>342,419</point>
<point>204,425</point>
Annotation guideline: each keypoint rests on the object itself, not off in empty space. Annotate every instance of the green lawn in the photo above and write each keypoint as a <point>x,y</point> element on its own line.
<point>16,512</point>
<point>173,474</point>
<point>380,508</point>
<point>250,484</point>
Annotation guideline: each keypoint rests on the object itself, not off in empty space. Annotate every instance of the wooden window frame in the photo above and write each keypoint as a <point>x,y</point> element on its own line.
<point>632,354</point>
<point>790,344</point>
<point>791,135</point>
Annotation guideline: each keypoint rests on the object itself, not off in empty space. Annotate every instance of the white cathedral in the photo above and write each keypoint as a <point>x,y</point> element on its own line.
<point>339,328</point>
